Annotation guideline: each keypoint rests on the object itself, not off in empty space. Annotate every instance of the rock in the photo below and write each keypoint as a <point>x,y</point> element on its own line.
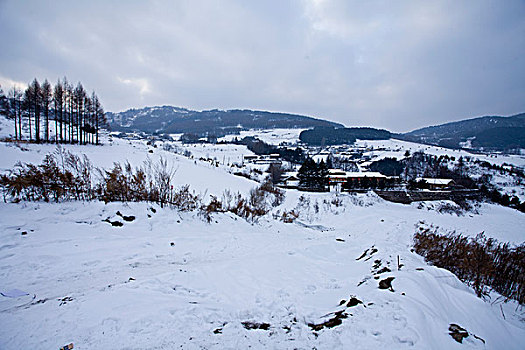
<point>126,218</point>
<point>116,223</point>
<point>333,322</point>
<point>386,283</point>
<point>255,325</point>
<point>353,302</point>
<point>457,332</point>
<point>383,270</point>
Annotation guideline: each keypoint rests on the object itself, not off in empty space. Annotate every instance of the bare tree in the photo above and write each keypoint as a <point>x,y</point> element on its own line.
<point>46,95</point>
<point>58,103</point>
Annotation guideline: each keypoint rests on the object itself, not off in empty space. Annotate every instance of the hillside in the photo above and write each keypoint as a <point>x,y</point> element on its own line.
<point>168,119</point>
<point>170,279</point>
<point>487,132</point>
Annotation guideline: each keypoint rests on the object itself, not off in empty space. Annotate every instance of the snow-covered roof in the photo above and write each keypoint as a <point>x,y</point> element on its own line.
<point>432,181</point>
<point>365,174</point>
<point>336,172</point>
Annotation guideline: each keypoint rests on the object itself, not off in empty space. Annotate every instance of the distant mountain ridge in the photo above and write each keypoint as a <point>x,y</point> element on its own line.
<point>169,119</point>
<point>488,132</point>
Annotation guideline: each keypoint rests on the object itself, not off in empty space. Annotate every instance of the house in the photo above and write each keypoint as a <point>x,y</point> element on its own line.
<point>436,184</point>
<point>338,179</point>
<point>273,158</point>
<point>250,157</point>
<point>365,179</point>
<point>290,180</point>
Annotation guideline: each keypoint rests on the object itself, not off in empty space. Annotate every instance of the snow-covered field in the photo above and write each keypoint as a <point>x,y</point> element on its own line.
<point>271,136</point>
<point>397,148</point>
<point>170,280</point>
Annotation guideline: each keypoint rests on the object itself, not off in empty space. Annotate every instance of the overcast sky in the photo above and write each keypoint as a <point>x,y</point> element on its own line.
<point>398,65</point>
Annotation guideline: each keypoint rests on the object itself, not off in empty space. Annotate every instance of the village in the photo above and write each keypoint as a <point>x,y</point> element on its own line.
<point>396,170</point>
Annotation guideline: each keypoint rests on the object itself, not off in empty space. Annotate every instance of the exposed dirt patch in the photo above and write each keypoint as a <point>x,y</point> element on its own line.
<point>333,322</point>
<point>254,325</point>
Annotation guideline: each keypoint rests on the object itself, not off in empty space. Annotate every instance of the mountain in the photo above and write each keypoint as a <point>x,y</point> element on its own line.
<point>489,132</point>
<point>169,119</point>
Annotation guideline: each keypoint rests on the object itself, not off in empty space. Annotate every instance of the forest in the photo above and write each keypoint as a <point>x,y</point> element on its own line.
<point>78,115</point>
<point>324,136</point>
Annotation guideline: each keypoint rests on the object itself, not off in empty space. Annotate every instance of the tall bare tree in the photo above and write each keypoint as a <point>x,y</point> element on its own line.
<point>14,100</point>
<point>46,96</point>
<point>58,104</point>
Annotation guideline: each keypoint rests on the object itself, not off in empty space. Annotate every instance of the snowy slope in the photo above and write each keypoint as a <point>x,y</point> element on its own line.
<point>397,148</point>
<point>170,280</point>
<point>129,288</point>
<point>202,176</point>
<point>270,136</point>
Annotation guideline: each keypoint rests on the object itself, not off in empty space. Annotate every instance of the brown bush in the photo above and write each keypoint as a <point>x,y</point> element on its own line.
<point>481,262</point>
<point>65,176</point>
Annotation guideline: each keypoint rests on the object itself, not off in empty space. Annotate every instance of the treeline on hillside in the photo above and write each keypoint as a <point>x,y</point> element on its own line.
<point>501,138</point>
<point>64,176</point>
<point>78,115</point>
<point>481,262</point>
<point>324,136</point>
<point>294,155</point>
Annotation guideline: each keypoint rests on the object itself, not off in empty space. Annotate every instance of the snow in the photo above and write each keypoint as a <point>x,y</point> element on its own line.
<point>396,149</point>
<point>100,286</point>
<point>170,280</point>
<point>270,136</point>
<point>203,177</point>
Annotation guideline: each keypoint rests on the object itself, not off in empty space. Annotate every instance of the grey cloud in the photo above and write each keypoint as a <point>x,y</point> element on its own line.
<point>397,65</point>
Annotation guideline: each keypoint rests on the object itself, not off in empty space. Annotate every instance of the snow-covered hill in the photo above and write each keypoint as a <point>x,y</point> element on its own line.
<point>168,279</point>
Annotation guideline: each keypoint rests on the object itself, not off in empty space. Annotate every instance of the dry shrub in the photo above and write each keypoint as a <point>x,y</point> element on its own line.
<point>289,216</point>
<point>65,176</point>
<point>61,176</point>
<point>214,206</point>
<point>481,262</point>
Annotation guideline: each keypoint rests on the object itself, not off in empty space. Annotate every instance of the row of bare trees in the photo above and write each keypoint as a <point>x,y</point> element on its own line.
<point>77,115</point>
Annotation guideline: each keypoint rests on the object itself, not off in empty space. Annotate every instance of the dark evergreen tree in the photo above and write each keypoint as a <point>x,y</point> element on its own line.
<point>329,162</point>
<point>313,176</point>
<point>322,176</point>
<point>306,174</point>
